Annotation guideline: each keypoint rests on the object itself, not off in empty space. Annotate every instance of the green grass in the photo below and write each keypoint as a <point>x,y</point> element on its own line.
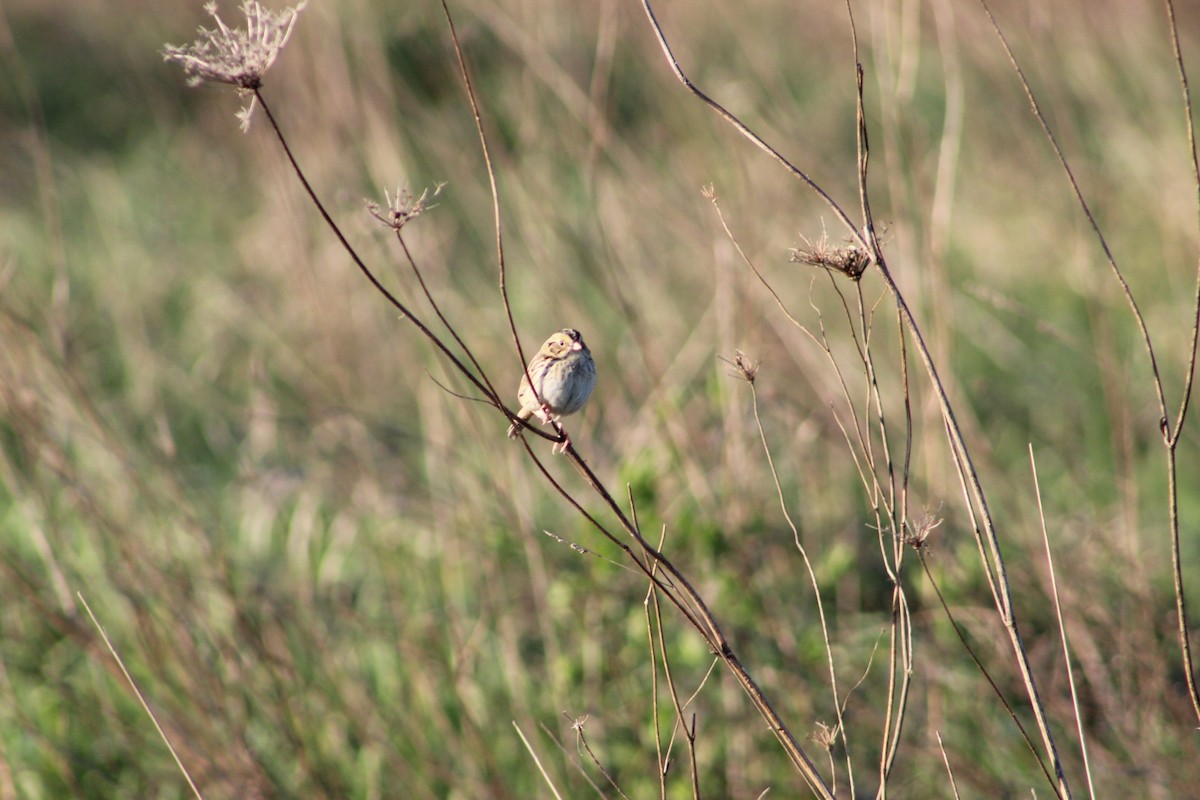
<point>329,576</point>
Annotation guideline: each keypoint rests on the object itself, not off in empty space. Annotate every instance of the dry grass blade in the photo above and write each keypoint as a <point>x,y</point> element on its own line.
<point>537,760</point>
<point>141,698</point>
<point>1062,628</point>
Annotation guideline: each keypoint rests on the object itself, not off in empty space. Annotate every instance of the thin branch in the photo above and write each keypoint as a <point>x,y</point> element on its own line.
<point>812,579</point>
<point>1172,435</point>
<point>960,451</point>
<point>741,127</point>
<point>575,762</point>
<point>962,638</point>
<point>581,741</point>
<point>501,264</point>
<point>652,595</point>
<point>1083,204</point>
<point>412,263</point>
<point>366,271</point>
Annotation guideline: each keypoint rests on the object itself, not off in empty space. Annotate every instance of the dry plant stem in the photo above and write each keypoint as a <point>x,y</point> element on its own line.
<point>536,760</point>
<point>652,596</point>
<point>900,650</point>
<point>480,384</point>
<point>993,561</point>
<point>574,761</point>
<point>652,624</point>
<point>680,719</point>
<point>1087,211</point>
<point>684,596</point>
<point>1062,629</point>
<point>691,740</point>
<point>658,745</point>
<point>138,693</point>
<point>1170,433</point>
<point>962,638</point>
<point>734,121</point>
<point>819,340</point>
<point>816,589</point>
<point>577,725</point>
<point>438,310</point>
<point>900,641</point>
<point>861,436</point>
<point>902,618</point>
<point>501,264</point>
<point>711,194</point>
<point>946,761</point>
<point>1189,119</point>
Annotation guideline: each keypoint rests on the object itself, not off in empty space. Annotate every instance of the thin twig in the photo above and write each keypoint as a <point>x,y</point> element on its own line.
<point>816,587</point>
<point>900,646</point>
<point>412,263</point>
<point>652,595</point>
<point>575,762</point>
<point>993,561</point>
<point>501,264</point>
<point>1171,435</point>
<point>962,638</point>
<point>1083,204</point>
<point>581,740</point>
<point>366,271</point>
<point>740,126</point>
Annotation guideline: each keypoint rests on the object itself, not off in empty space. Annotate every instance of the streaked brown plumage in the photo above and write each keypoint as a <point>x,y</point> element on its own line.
<point>564,375</point>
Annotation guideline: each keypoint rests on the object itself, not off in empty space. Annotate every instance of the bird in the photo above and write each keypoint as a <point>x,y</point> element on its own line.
<point>564,375</point>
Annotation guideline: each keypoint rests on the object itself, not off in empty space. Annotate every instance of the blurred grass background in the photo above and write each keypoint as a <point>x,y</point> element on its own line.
<point>329,576</point>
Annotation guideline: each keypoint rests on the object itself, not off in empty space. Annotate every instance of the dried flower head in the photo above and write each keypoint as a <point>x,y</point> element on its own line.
<point>849,259</point>
<point>917,530</point>
<point>824,735</point>
<point>235,56</point>
<point>403,207</point>
<point>747,370</point>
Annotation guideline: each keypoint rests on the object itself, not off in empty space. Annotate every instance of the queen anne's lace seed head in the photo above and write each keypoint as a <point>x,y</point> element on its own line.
<point>235,56</point>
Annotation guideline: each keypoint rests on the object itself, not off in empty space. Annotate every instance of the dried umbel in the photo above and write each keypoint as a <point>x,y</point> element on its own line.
<point>849,259</point>
<point>917,530</point>
<point>235,56</point>
<point>745,367</point>
<point>402,207</point>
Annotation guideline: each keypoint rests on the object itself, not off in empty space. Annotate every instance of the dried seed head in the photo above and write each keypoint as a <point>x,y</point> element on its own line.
<point>918,529</point>
<point>403,207</point>
<point>850,259</point>
<point>747,370</point>
<point>235,56</point>
<point>825,736</point>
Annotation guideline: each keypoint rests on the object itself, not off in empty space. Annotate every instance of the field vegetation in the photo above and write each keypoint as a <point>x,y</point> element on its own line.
<point>329,574</point>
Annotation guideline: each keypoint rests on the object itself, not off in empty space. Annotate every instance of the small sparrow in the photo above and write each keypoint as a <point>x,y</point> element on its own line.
<point>564,375</point>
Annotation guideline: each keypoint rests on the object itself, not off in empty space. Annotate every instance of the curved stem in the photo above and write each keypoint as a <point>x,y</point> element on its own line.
<point>988,536</point>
